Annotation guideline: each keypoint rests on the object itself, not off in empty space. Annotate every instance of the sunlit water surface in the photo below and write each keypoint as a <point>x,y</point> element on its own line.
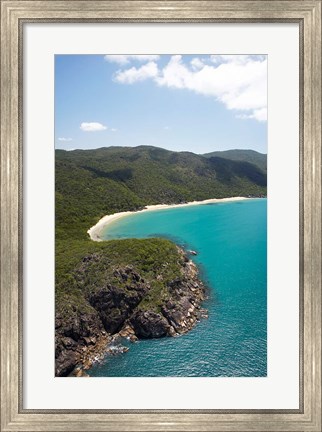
<point>230,239</point>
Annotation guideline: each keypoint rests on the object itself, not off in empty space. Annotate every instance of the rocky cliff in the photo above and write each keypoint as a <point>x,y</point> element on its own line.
<point>124,300</point>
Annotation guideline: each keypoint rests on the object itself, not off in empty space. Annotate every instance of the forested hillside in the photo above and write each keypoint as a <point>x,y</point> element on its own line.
<point>139,288</point>
<point>92,183</point>
<point>251,156</point>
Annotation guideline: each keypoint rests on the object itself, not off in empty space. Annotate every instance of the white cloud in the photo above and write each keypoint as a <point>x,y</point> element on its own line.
<point>65,139</point>
<point>132,75</point>
<point>166,127</point>
<point>125,59</point>
<point>92,127</point>
<point>196,63</point>
<point>175,74</point>
<point>260,115</point>
<point>237,81</point>
<point>113,130</point>
<point>231,58</point>
<point>242,59</point>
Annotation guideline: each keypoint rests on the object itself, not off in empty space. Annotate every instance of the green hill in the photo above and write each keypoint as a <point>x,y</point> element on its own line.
<point>251,156</point>
<point>92,183</point>
<point>142,288</point>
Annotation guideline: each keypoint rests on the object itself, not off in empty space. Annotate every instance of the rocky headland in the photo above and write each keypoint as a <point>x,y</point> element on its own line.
<point>124,301</point>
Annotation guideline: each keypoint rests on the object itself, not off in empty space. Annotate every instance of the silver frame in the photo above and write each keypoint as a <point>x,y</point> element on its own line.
<point>14,14</point>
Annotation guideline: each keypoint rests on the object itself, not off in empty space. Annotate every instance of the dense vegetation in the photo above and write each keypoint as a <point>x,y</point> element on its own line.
<point>251,156</point>
<point>132,275</point>
<point>146,257</point>
<point>93,183</point>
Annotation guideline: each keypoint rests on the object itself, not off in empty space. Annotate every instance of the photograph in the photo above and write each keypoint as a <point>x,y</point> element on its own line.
<point>160,215</point>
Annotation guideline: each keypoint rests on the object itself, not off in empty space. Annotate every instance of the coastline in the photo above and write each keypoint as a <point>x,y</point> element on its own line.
<point>84,340</point>
<point>95,231</point>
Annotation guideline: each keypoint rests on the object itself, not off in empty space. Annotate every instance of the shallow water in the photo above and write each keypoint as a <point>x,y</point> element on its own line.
<point>231,242</point>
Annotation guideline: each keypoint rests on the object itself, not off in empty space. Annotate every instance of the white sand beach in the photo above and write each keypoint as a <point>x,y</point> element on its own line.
<point>96,230</point>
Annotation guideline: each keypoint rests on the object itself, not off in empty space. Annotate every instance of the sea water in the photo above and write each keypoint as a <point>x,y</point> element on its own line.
<point>231,243</point>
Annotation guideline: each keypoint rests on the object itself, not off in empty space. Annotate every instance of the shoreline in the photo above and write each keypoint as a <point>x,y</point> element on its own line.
<point>95,231</point>
<point>182,316</point>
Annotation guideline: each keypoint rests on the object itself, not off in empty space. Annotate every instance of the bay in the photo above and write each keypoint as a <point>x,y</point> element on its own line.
<point>231,243</point>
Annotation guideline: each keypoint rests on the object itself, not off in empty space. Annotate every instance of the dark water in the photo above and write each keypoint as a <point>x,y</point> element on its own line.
<point>231,242</point>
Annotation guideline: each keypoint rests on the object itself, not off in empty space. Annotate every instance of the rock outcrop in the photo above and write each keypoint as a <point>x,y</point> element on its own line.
<point>115,304</point>
<point>76,336</point>
<point>149,324</point>
<point>120,307</point>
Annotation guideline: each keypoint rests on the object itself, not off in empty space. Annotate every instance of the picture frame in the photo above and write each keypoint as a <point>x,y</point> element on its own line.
<point>14,14</point>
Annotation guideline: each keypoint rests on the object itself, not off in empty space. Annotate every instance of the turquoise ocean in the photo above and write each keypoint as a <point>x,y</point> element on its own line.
<point>231,241</point>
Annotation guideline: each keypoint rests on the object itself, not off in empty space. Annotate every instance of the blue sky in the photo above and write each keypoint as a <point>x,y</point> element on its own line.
<point>182,103</point>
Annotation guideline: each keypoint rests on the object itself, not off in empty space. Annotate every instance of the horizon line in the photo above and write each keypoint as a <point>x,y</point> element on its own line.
<point>162,148</point>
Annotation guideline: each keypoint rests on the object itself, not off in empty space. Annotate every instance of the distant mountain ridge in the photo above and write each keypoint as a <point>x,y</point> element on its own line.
<point>92,183</point>
<point>133,286</point>
<point>251,156</point>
